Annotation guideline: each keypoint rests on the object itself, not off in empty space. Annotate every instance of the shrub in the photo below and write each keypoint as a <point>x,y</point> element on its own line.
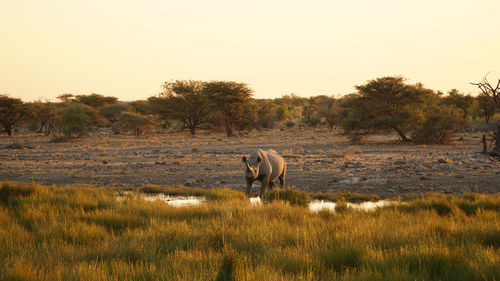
<point>130,120</point>
<point>112,112</point>
<point>438,127</point>
<point>74,121</point>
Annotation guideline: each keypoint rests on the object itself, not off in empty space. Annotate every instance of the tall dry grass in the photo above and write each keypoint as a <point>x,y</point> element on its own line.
<point>69,233</point>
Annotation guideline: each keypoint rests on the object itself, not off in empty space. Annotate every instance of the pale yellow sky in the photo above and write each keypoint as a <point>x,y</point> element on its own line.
<point>127,49</point>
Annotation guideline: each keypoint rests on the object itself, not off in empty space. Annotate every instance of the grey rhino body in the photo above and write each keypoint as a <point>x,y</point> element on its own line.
<point>264,166</point>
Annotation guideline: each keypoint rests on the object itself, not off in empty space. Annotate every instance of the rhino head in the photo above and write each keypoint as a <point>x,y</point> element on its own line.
<point>252,170</point>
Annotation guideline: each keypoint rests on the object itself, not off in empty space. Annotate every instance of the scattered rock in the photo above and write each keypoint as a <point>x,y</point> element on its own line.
<point>375,181</point>
<point>353,180</point>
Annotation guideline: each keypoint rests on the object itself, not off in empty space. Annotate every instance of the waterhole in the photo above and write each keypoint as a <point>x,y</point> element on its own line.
<point>314,206</point>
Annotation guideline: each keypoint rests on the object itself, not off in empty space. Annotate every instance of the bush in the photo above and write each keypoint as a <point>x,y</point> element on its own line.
<point>112,112</point>
<point>292,196</point>
<point>74,121</point>
<point>440,124</point>
<point>136,122</point>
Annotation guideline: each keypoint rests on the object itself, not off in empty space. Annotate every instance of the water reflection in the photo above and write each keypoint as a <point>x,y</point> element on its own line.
<point>314,206</point>
<point>177,201</point>
<point>255,200</point>
<point>318,205</point>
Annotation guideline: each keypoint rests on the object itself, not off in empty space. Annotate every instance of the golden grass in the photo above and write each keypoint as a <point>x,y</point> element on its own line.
<point>70,233</point>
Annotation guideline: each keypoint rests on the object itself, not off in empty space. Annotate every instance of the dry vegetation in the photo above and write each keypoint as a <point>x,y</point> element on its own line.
<point>68,233</point>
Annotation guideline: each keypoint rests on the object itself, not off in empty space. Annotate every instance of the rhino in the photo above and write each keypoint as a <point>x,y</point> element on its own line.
<point>264,166</point>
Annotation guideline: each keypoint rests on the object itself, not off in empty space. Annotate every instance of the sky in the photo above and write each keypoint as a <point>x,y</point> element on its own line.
<point>127,49</point>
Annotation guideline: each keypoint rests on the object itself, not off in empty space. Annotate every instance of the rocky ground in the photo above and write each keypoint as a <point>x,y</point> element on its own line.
<point>318,161</point>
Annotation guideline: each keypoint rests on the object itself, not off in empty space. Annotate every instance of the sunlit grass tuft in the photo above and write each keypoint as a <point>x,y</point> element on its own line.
<point>210,194</point>
<point>292,196</point>
<point>351,197</point>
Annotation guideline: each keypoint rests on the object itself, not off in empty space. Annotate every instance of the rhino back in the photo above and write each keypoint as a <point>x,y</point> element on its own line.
<point>276,162</point>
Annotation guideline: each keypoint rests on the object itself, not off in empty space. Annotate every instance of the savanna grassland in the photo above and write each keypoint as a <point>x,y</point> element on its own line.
<point>84,233</point>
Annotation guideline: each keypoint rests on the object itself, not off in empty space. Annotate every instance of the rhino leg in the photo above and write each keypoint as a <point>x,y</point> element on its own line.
<point>249,187</point>
<point>271,185</point>
<point>263,185</point>
<point>282,177</point>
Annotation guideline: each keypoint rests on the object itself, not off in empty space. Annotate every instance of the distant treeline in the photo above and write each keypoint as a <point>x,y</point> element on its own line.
<point>411,111</point>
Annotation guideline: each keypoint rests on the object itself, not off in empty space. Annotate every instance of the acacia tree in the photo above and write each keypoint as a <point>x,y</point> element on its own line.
<point>230,99</point>
<point>95,100</point>
<point>386,103</point>
<point>44,117</point>
<point>493,92</point>
<point>13,112</point>
<point>185,102</point>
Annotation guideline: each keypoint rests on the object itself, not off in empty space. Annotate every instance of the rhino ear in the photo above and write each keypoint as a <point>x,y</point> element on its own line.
<point>244,159</point>
<point>259,159</point>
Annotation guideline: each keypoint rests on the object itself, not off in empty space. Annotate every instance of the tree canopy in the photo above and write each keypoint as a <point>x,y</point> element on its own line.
<point>229,98</point>
<point>185,102</point>
<point>386,103</point>
<point>13,112</point>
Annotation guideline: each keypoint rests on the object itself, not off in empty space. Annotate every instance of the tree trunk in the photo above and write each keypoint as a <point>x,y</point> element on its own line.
<point>496,149</point>
<point>229,128</point>
<point>401,134</point>
<point>485,146</point>
<point>8,130</point>
<point>192,129</point>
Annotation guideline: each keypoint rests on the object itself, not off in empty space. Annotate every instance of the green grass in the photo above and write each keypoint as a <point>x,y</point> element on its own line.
<point>292,196</point>
<point>345,196</point>
<point>81,233</point>
<point>210,194</point>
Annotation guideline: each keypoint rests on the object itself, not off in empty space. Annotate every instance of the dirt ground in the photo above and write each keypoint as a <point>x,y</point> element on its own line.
<point>318,161</point>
